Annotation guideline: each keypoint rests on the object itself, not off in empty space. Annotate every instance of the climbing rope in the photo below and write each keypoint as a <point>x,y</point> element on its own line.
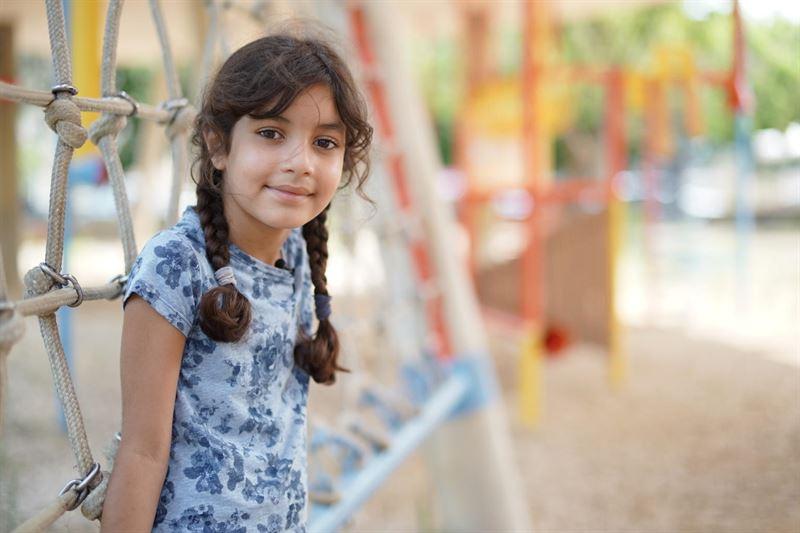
<point>179,123</point>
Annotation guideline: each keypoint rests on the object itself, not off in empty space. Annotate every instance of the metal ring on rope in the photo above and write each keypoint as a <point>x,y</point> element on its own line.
<point>182,116</point>
<point>64,88</point>
<point>81,486</point>
<point>128,98</point>
<point>174,103</point>
<point>64,280</point>
<point>121,280</point>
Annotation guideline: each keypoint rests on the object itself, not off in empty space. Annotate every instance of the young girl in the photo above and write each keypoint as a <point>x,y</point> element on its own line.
<point>218,342</point>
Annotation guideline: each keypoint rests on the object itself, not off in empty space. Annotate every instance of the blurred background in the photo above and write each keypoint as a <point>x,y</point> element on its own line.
<point>625,175</point>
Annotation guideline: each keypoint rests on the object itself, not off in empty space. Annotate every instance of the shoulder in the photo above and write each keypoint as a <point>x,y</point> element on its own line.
<point>170,258</point>
<point>182,243</point>
<point>170,245</point>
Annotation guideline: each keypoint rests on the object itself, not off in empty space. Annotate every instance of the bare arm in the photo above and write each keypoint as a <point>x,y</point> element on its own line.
<point>149,366</point>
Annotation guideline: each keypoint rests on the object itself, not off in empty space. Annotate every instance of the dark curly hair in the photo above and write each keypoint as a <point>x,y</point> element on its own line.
<point>273,71</point>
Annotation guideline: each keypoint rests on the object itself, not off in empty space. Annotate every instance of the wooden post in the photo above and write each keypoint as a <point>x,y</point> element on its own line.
<point>9,201</point>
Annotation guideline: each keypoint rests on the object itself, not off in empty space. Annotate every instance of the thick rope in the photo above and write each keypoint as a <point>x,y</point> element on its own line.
<point>209,47</point>
<point>108,71</point>
<point>107,104</point>
<point>59,48</point>
<point>54,299</point>
<point>64,119</point>
<point>47,516</point>
<point>180,164</point>
<point>11,329</point>
<point>178,141</point>
<point>104,134</point>
<point>63,116</point>
<point>36,280</point>
<point>173,86</point>
<point>92,507</point>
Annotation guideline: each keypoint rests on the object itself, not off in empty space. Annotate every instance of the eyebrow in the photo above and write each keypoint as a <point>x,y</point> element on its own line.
<point>332,126</point>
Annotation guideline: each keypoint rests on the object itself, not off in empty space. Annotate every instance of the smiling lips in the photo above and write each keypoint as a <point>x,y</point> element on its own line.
<point>289,193</point>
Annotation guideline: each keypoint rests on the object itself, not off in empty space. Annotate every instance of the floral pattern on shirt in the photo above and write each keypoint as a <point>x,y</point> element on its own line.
<point>237,457</point>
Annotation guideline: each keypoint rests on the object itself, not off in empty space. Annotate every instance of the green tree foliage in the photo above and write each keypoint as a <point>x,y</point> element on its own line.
<point>775,73</point>
<point>627,38</point>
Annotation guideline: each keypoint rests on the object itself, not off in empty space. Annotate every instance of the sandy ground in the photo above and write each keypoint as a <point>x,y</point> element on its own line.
<point>704,436</point>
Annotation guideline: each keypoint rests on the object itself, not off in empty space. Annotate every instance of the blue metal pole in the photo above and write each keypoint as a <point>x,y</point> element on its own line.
<point>359,486</point>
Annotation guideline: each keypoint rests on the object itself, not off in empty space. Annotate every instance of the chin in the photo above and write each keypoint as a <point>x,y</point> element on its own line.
<point>284,223</point>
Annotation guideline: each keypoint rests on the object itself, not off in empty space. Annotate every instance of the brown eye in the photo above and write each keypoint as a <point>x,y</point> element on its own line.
<point>325,143</point>
<point>269,133</point>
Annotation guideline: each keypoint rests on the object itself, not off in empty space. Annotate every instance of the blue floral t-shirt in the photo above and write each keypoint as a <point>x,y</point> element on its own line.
<point>238,453</point>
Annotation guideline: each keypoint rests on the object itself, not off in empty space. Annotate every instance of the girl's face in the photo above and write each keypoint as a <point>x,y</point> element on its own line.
<point>283,171</point>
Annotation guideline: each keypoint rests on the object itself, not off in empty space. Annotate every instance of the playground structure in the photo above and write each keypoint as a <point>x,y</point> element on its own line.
<point>557,281</point>
<point>444,361</point>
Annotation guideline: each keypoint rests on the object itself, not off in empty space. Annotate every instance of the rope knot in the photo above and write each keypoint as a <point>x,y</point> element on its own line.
<point>37,282</point>
<point>92,507</point>
<point>181,122</point>
<point>107,124</point>
<point>64,118</point>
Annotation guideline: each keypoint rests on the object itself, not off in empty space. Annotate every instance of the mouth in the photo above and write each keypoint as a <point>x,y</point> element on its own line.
<point>289,194</point>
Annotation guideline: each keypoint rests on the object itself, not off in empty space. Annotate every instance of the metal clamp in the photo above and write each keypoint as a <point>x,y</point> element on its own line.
<point>64,88</point>
<point>64,280</point>
<point>174,104</point>
<point>128,98</point>
<point>81,486</point>
<point>121,280</point>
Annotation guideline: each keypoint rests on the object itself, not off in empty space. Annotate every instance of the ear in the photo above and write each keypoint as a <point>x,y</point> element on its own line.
<point>218,156</point>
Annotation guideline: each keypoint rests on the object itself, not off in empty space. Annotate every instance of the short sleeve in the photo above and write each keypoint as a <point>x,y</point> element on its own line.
<point>167,276</point>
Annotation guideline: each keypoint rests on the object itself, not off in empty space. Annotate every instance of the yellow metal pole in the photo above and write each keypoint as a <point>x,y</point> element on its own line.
<point>618,361</point>
<point>530,377</point>
<point>86,24</point>
<point>616,161</point>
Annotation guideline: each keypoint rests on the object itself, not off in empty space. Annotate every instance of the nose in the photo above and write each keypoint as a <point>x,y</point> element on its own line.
<point>299,161</point>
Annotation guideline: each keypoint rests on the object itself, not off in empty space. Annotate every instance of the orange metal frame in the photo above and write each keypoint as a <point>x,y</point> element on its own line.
<point>396,166</point>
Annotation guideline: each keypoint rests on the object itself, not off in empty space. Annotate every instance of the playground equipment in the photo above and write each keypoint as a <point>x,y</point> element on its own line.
<point>557,239</point>
<point>453,394</point>
<point>675,68</point>
<point>560,274</point>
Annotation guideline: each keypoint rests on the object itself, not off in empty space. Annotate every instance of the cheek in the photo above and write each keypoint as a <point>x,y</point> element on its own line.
<point>249,161</point>
<point>333,175</point>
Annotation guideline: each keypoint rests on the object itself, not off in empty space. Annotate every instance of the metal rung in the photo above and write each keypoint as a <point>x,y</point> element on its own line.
<point>357,488</point>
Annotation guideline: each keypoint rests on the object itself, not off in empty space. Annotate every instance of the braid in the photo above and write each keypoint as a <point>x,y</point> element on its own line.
<point>224,311</point>
<point>317,355</point>
<point>316,236</point>
<point>215,228</point>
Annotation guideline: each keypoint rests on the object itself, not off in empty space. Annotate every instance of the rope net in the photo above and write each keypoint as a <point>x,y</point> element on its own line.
<point>46,288</point>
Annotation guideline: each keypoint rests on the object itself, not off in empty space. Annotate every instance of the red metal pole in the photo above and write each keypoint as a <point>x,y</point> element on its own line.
<point>397,169</point>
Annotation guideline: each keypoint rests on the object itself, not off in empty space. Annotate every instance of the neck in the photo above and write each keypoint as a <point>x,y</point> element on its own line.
<point>255,238</point>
